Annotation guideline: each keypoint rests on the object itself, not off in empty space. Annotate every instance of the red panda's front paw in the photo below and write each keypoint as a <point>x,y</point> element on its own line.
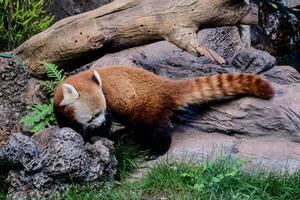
<point>150,156</point>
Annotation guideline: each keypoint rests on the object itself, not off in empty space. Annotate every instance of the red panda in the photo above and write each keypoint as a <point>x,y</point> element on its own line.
<point>142,101</point>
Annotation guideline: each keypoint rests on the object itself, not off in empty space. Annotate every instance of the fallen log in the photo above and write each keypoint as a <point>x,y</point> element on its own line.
<point>127,23</point>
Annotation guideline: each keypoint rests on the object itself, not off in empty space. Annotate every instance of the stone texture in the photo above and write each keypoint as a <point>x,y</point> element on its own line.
<point>249,116</point>
<point>45,165</point>
<point>256,117</point>
<point>252,61</point>
<point>193,146</point>
<point>292,3</point>
<point>164,53</point>
<point>278,31</point>
<point>201,146</point>
<point>267,152</point>
<point>270,152</point>
<point>218,128</point>
<point>66,8</point>
<point>18,90</point>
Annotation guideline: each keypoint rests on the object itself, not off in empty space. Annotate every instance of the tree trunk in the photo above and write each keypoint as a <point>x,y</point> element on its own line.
<point>127,23</point>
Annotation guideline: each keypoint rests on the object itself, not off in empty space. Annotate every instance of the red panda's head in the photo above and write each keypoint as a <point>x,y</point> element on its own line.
<point>80,99</point>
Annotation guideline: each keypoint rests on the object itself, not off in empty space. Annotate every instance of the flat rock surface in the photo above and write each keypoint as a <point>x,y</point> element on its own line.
<point>267,152</point>
<point>255,117</point>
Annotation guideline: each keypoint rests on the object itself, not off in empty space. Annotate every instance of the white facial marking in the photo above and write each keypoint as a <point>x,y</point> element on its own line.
<point>82,112</point>
<point>97,76</point>
<point>99,120</point>
<point>103,100</point>
<point>70,94</point>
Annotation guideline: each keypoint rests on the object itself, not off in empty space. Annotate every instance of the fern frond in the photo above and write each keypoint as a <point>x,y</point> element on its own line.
<point>53,72</point>
<point>48,87</point>
<point>42,116</point>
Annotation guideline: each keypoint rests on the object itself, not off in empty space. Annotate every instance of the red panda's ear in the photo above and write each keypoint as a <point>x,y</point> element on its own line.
<point>69,94</point>
<point>96,78</point>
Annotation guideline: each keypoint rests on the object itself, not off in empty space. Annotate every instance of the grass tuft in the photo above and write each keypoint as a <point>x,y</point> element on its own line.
<point>108,191</point>
<point>2,192</point>
<point>222,179</point>
<point>128,156</point>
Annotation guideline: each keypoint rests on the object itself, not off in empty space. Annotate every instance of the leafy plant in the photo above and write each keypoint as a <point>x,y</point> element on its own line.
<point>55,75</point>
<point>21,19</point>
<point>42,115</point>
<point>197,180</point>
<point>176,180</point>
<point>128,156</point>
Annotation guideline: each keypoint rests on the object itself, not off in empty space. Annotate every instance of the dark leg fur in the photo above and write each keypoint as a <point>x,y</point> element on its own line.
<point>102,131</point>
<point>155,138</point>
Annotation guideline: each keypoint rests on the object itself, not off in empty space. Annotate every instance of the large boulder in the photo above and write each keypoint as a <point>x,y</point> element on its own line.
<point>18,91</point>
<point>47,164</point>
<point>249,116</point>
<point>66,8</point>
<point>226,41</point>
<point>270,152</point>
<point>292,3</point>
<point>230,127</point>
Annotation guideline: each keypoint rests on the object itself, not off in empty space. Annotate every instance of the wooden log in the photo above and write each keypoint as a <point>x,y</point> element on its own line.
<point>127,23</point>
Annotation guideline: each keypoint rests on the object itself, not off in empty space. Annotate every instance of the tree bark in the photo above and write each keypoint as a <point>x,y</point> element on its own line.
<point>127,23</point>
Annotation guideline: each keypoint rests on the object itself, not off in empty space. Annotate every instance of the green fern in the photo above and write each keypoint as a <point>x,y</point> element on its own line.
<point>53,72</point>
<point>42,115</point>
<point>48,87</point>
<point>55,75</point>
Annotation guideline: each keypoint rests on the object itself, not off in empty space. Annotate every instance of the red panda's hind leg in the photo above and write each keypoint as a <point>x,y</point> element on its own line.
<point>155,138</point>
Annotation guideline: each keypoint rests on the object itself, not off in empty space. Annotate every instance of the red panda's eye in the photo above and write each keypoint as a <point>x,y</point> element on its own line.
<point>97,114</point>
<point>91,119</point>
<point>94,117</point>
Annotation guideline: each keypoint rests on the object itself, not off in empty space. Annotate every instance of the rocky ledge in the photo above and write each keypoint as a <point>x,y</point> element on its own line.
<point>261,132</point>
<point>47,164</point>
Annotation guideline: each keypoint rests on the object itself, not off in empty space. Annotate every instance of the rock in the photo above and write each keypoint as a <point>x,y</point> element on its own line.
<point>256,117</point>
<point>193,146</point>
<point>249,116</point>
<point>253,61</point>
<point>278,31</point>
<point>267,152</point>
<point>243,117</point>
<point>66,8</point>
<point>202,146</point>
<point>44,166</point>
<point>283,75</point>
<point>20,151</point>
<point>18,90</point>
<point>292,3</point>
<point>164,53</point>
<point>272,152</point>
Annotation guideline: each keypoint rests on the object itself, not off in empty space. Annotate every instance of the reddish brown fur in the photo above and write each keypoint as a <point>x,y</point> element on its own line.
<point>86,87</point>
<point>141,96</point>
<point>144,101</point>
